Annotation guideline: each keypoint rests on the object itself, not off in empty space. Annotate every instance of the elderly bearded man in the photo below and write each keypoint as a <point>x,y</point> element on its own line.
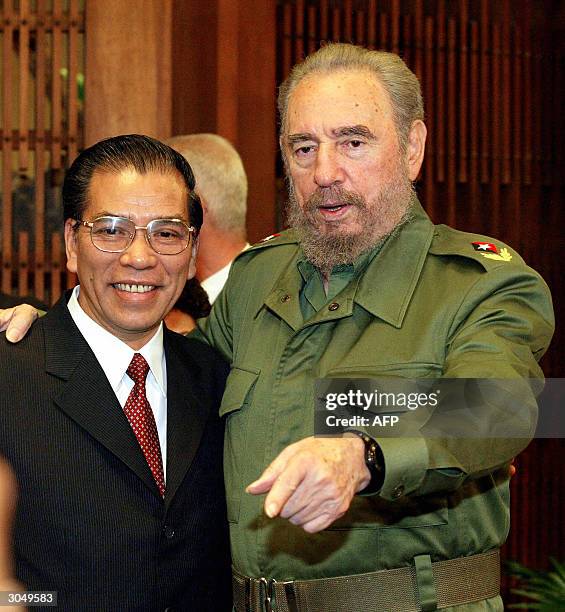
<point>364,285</point>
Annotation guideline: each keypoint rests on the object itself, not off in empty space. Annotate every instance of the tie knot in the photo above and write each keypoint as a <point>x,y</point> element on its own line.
<point>138,368</point>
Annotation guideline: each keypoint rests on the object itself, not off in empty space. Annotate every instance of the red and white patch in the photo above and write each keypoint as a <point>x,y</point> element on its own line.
<point>485,247</point>
<point>269,238</point>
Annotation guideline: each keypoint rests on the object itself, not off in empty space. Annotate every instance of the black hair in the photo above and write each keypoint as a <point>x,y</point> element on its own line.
<point>193,300</point>
<point>142,153</point>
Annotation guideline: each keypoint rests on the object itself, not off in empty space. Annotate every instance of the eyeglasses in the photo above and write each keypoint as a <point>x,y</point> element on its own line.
<point>115,234</point>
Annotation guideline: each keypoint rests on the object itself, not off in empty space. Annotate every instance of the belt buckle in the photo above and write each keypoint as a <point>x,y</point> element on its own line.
<point>269,586</point>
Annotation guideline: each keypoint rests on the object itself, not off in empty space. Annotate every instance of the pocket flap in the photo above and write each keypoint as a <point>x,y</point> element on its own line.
<point>238,387</point>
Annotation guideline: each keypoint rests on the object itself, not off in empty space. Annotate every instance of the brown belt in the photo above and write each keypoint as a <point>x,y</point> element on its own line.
<point>407,589</point>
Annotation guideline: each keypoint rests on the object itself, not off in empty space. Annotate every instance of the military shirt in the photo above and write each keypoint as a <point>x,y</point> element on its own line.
<point>427,305</point>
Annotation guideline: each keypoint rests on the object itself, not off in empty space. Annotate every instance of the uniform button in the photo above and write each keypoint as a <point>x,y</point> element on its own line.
<point>168,532</point>
<point>398,491</point>
<point>285,298</point>
<point>333,306</point>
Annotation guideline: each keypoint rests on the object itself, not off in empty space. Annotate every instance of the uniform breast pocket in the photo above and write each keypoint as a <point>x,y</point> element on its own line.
<point>412,369</point>
<point>234,407</point>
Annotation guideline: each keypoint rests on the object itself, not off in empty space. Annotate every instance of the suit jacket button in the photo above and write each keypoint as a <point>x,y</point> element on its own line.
<point>168,532</point>
<point>333,306</point>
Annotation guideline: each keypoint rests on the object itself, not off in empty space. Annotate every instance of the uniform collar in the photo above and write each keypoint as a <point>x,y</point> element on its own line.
<point>386,288</point>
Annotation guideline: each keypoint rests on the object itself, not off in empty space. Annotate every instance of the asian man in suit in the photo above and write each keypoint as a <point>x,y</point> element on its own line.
<point>110,420</point>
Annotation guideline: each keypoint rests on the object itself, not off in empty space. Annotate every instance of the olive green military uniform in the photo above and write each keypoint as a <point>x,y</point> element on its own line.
<point>426,304</point>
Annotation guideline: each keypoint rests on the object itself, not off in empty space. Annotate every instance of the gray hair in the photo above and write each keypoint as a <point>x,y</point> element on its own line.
<point>220,178</point>
<point>393,74</point>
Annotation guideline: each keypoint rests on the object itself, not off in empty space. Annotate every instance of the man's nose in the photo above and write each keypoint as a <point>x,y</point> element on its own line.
<point>328,169</point>
<point>139,254</point>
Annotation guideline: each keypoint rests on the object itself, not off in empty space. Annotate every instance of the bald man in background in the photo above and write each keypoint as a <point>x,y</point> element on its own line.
<point>222,186</point>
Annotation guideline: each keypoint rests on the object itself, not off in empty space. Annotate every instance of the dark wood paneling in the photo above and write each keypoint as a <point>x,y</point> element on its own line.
<point>224,82</point>
<point>257,141</point>
<point>194,61</point>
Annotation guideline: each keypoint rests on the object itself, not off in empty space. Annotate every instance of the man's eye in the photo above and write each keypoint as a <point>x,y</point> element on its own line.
<point>167,235</point>
<point>304,150</point>
<point>109,231</point>
<point>355,144</point>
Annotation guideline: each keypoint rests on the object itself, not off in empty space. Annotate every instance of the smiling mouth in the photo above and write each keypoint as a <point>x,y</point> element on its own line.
<point>133,288</point>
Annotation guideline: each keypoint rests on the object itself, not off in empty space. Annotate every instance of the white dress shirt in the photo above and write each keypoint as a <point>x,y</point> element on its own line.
<point>215,283</point>
<point>114,357</point>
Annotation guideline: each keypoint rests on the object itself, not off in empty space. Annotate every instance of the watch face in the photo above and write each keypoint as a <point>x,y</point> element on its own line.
<point>371,454</point>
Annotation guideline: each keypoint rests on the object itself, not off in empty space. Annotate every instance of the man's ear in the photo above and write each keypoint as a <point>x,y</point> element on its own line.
<point>415,148</point>
<point>71,245</point>
<point>193,255</point>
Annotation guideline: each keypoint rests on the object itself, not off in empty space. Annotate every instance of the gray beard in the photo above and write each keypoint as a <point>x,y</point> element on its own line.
<point>387,213</point>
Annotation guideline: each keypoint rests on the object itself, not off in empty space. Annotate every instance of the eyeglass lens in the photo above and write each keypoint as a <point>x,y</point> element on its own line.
<point>115,234</point>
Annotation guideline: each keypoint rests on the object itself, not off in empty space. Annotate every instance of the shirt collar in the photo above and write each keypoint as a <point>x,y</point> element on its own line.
<point>113,355</point>
<point>307,269</point>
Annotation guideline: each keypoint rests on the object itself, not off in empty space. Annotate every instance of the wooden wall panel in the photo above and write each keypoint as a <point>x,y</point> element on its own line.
<point>194,62</point>
<point>492,78</point>
<point>224,82</point>
<point>128,76</point>
<point>257,140</point>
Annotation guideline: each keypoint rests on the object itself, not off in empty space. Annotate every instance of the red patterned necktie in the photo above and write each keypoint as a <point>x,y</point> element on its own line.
<point>140,417</point>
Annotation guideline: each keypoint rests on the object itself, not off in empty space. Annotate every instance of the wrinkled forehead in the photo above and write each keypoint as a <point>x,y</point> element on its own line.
<point>351,96</point>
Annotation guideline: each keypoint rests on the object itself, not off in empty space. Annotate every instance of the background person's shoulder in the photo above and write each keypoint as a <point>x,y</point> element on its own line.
<point>270,245</point>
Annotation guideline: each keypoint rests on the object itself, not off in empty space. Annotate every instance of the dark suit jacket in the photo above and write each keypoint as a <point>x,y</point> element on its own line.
<point>90,522</point>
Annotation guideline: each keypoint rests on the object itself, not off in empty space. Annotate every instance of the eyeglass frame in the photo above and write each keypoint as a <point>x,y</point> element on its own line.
<point>192,232</point>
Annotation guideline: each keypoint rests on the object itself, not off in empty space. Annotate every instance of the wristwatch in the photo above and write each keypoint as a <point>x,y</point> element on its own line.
<point>374,460</point>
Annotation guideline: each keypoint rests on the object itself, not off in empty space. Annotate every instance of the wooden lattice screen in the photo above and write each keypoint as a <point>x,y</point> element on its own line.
<point>42,46</point>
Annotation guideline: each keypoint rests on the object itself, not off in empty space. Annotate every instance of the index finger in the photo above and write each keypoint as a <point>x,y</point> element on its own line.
<point>17,320</point>
<point>5,316</point>
<point>283,488</point>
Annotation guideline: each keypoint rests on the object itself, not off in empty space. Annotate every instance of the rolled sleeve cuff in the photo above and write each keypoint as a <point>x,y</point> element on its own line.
<point>406,463</point>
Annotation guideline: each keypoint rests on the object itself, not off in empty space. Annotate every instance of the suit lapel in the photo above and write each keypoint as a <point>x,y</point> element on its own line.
<point>87,396</point>
<point>186,417</point>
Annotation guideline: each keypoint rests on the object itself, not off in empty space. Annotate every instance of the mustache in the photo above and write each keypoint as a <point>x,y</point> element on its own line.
<point>333,196</point>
